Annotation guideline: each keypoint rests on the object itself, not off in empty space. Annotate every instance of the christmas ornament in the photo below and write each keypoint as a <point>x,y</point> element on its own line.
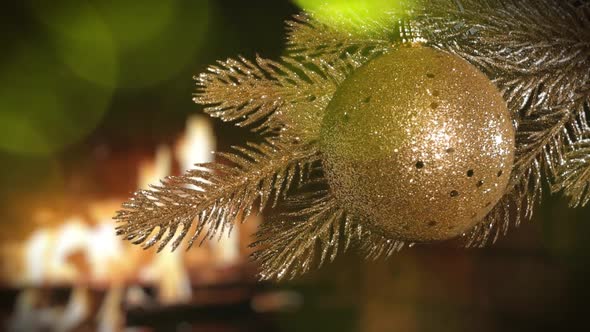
<point>338,106</point>
<point>418,142</point>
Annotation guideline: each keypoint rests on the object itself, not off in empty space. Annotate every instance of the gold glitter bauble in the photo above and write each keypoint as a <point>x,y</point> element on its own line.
<point>418,142</point>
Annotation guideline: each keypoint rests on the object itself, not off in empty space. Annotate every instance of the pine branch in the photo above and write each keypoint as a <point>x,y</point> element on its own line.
<point>244,92</point>
<point>573,172</point>
<point>303,117</point>
<point>310,38</point>
<point>535,50</point>
<point>314,231</point>
<point>517,204</point>
<point>539,138</point>
<point>574,179</point>
<point>287,96</point>
<point>214,195</point>
<point>373,244</point>
<point>290,246</point>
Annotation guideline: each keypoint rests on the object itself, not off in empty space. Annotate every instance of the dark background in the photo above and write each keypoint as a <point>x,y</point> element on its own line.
<point>88,88</point>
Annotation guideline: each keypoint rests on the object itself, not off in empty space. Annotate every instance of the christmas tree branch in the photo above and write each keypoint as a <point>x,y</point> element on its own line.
<point>572,173</point>
<point>313,231</point>
<point>309,37</point>
<point>288,246</point>
<point>287,96</point>
<point>214,195</point>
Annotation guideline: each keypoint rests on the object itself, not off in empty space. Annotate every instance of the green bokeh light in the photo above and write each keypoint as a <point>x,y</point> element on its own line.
<point>58,78</point>
<point>355,16</point>
<point>44,107</point>
<point>155,39</point>
<point>138,43</point>
<point>81,39</point>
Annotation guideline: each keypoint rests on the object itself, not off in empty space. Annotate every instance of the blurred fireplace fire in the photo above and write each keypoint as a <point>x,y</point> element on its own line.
<point>79,276</point>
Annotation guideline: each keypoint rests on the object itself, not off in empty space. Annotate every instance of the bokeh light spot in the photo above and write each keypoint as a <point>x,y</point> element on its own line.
<point>130,44</point>
<point>155,39</point>
<point>81,39</point>
<point>355,16</point>
<point>44,107</point>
